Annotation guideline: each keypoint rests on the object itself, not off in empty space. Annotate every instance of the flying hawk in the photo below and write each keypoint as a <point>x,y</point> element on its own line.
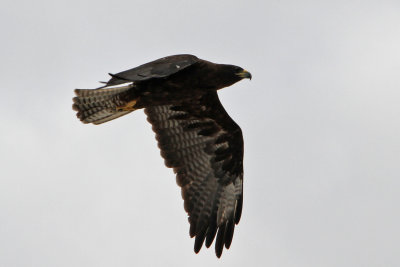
<point>195,134</point>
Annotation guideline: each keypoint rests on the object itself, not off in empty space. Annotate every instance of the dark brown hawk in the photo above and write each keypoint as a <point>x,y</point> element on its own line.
<point>195,134</point>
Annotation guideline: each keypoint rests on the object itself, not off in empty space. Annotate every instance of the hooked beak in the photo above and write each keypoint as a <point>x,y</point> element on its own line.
<point>244,74</point>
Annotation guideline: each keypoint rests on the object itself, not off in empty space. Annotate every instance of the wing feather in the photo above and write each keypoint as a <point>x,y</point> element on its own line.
<point>159,68</point>
<point>204,146</point>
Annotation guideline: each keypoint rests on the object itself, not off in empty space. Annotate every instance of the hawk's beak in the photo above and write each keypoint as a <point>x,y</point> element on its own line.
<point>244,74</point>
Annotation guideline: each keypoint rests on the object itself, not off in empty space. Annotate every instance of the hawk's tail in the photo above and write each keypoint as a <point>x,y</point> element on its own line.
<point>103,104</point>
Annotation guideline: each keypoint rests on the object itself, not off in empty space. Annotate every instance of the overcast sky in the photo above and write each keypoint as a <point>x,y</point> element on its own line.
<point>320,118</point>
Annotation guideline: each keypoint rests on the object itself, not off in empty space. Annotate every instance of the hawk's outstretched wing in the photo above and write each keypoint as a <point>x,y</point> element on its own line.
<point>204,146</point>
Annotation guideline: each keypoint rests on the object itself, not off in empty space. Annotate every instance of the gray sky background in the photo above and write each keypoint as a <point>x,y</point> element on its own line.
<point>320,121</point>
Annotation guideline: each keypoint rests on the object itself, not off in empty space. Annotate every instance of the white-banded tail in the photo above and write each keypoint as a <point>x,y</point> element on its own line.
<point>101,105</point>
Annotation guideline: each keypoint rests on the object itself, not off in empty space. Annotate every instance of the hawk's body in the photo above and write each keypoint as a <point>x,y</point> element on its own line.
<point>196,136</point>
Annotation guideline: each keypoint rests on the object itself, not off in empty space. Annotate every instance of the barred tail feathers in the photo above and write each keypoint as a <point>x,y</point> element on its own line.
<point>100,105</point>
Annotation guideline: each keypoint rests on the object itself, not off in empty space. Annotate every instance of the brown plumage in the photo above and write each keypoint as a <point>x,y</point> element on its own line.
<point>196,136</point>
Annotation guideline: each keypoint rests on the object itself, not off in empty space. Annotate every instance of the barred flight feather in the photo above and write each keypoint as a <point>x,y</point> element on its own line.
<point>200,148</point>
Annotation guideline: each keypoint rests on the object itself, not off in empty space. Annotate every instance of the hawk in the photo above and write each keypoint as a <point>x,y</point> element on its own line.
<point>196,136</point>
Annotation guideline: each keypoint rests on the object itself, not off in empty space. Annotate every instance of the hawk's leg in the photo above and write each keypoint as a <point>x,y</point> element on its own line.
<point>129,106</point>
